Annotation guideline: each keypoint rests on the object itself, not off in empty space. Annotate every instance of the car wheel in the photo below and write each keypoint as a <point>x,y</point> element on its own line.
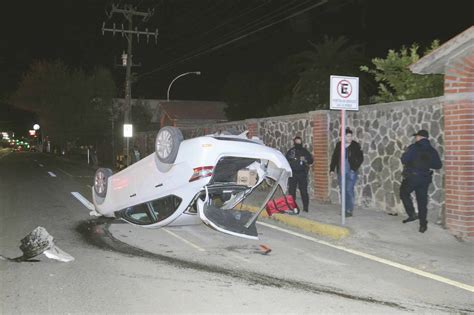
<point>167,144</point>
<point>101,180</point>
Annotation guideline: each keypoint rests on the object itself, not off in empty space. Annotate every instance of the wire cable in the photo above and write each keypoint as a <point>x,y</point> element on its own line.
<point>224,44</point>
<point>260,20</point>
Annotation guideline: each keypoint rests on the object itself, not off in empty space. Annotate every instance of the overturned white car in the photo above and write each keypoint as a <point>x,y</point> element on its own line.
<point>224,181</point>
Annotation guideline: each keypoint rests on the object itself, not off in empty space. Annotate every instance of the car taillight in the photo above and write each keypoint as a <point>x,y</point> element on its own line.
<point>201,172</point>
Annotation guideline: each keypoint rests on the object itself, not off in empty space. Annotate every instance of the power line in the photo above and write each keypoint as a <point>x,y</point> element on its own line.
<point>261,19</point>
<point>198,35</point>
<point>222,45</point>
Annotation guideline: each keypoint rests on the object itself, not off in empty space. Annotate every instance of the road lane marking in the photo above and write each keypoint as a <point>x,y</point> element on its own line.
<point>83,200</point>
<point>52,174</point>
<point>41,165</point>
<point>422,273</point>
<point>184,240</point>
<point>70,175</point>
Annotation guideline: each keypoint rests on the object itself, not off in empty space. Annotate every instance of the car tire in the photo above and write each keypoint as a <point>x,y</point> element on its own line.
<point>101,179</point>
<point>167,144</point>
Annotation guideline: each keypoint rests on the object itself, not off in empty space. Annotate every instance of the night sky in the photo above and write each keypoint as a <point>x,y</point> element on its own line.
<point>70,30</point>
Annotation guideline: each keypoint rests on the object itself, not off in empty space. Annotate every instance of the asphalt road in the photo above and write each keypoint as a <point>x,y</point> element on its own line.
<point>120,268</point>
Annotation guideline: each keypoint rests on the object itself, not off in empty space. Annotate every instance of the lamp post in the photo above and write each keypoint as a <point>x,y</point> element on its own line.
<point>179,76</point>
<point>39,135</point>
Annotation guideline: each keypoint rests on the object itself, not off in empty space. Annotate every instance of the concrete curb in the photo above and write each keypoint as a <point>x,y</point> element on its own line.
<point>311,226</point>
<point>307,225</point>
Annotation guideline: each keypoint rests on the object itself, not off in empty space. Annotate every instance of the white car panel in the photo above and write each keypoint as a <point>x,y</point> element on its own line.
<point>150,179</point>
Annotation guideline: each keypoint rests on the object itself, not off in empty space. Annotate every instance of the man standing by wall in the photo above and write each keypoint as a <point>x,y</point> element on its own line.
<point>354,159</point>
<point>418,160</point>
<point>300,159</point>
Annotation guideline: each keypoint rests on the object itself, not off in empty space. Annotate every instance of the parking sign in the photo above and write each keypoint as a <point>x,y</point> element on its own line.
<point>344,93</point>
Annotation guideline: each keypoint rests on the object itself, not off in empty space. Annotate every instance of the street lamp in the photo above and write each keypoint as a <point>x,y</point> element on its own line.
<point>179,76</point>
<point>38,135</point>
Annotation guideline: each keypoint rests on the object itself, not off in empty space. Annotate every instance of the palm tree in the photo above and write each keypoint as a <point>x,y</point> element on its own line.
<point>309,72</point>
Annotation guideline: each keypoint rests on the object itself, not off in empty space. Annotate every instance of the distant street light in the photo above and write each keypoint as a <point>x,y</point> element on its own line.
<point>179,76</point>
<point>36,127</point>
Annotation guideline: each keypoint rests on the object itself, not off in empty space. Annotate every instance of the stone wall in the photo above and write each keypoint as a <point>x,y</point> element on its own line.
<point>384,131</point>
<point>278,133</point>
<point>146,140</point>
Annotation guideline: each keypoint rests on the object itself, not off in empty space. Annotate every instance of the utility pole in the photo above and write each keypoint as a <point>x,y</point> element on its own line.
<point>129,12</point>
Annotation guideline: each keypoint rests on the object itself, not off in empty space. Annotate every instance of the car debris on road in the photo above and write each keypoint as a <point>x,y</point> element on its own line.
<point>38,242</point>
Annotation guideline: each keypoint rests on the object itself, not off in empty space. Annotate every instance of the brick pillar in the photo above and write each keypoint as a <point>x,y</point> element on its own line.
<point>320,153</point>
<point>459,146</point>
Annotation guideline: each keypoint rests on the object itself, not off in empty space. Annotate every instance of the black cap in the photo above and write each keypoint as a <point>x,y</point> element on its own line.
<point>422,133</point>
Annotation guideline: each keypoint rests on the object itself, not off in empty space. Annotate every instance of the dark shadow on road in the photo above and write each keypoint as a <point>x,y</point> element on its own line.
<point>96,232</point>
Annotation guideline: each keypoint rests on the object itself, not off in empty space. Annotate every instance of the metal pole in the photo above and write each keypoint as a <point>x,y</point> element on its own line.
<point>128,150</point>
<point>128,11</point>
<point>343,167</point>
<point>179,76</point>
<point>128,85</point>
<point>113,141</point>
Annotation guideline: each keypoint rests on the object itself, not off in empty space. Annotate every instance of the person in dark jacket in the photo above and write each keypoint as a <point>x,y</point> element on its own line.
<point>354,159</point>
<point>418,160</point>
<point>300,159</point>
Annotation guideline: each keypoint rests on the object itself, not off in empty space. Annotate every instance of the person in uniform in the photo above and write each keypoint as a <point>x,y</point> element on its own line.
<point>418,160</point>
<point>300,159</point>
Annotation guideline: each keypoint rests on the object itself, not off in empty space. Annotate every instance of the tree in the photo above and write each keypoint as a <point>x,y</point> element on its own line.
<point>141,116</point>
<point>395,80</point>
<point>308,74</point>
<point>69,103</point>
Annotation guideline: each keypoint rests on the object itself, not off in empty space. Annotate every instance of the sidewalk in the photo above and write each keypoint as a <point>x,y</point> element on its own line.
<point>377,233</point>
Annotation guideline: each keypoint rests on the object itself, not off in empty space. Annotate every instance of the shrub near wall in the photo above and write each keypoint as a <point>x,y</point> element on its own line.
<point>384,131</point>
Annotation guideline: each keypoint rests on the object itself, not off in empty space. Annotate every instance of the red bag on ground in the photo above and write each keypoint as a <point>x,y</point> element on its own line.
<point>284,204</point>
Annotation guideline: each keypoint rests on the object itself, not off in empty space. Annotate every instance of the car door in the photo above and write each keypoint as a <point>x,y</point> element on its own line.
<point>238,213</point>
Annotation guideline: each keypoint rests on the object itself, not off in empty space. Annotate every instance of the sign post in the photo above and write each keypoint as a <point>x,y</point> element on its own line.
<point>344,95</point>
